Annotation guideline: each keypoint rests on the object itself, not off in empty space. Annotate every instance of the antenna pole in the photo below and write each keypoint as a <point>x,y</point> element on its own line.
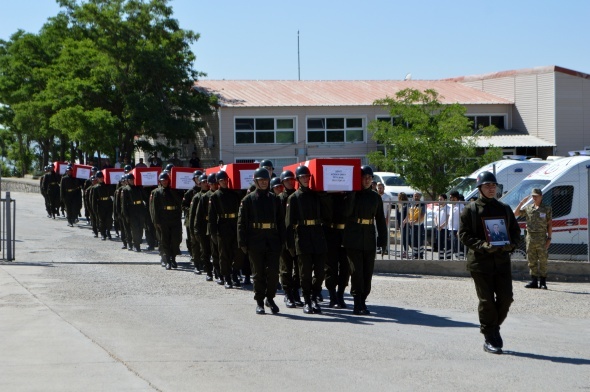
<point>298,59</point>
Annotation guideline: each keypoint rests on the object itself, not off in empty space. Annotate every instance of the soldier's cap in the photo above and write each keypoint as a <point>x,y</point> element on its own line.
<point>99,175</point>
<point>536,192</point>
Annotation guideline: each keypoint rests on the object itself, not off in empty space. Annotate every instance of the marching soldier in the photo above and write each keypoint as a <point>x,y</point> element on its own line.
<point>167,217</point>
<point>134,211</point>
<point>223,215</point>
<point>87,184</point>
<point>364,212</point>
<point>102,203</point>
<point>277,186</point>
<point>337,266</point>
<point>71,195</point>
<point>209,240</point>
<point>120,221</point>
<point>88,196</point>
<point>303,216</point>
<point>204,248</point>
<point>260,235</point>
<point>192,244</point>
<point>51,189</point>
<point>42,189</point>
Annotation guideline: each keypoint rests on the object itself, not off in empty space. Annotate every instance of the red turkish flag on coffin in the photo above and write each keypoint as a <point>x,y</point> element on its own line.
<point>332,174</point>
<point>60,167</point>
<point>146,176</point>
<point>82,172</point>
<point>241,175</point>
<point>112,176</point>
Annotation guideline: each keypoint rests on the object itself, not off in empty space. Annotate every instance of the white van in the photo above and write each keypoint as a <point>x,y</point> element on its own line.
<point>509,172</point>
<point>564,183</point>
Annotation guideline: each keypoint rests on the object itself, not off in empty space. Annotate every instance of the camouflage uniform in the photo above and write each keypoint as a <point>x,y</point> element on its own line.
<point>537,220</point>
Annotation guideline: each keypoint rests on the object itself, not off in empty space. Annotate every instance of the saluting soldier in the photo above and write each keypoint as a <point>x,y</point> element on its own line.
<point>260,235</point>
<point>192,244</point>
<point>223,216</point>
<point>303,216</point>
<point>134,210</point>
<point>51,189</point>
<point>204,255</point>
<point>167,217</point>
<point>209,241</point>
<point>102,203</point>
<point>364,212</point>
<point>71,195</point>
<point>289,269</point>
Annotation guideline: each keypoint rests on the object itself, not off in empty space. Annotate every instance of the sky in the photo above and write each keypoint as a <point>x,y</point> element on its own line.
<point>368,40</point>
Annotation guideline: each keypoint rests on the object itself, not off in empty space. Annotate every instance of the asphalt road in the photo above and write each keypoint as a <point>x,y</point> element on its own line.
<point>80,314</point>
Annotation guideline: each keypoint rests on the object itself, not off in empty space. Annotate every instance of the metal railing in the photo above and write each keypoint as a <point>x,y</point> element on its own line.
<point>7,227</point>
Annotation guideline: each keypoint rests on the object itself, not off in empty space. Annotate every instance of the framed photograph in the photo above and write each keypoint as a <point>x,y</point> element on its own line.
<point>496,232</point>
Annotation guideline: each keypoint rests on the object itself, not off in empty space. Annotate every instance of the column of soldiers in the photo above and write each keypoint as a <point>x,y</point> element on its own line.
<point>273,233</point>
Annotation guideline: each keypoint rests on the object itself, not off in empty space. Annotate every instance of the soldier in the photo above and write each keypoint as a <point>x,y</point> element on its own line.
<point>120,220</point>
<point>364,212</point>
<point>42,189</point>
<point>260,235</point>
<point>203,257</point>
<point>277,186</point>
<point>337,266</point>
<point>209,241</point>
<point>88,197</point>
<point>167,217</point>
<point>303,216</point>
<point>71,195</point>
<point>489,265</point>
<point>102,203</point>
<point>134,211</point>
<point>289,268</point>
<point>87,184</point>
<point>192,244</point>
<point>538,236</point>
<point>267,164</point>
<point>51,189</point>
<point>223,215</point>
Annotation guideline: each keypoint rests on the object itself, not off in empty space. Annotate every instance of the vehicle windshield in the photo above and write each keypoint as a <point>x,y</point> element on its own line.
<point>465,187</point>
<point>523,189</point>
<point>394,181</point>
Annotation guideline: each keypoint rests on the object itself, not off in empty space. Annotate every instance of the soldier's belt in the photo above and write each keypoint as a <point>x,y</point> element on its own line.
<point>73,189</point>
<point>138,202</point>
<point>53,183</point>
<point>365,221</point>
<point>170,208</point>
<point>310,222</point>
<point>340,226</point>
<point>104,198</point>
<point>228,216</point>
<point>263,225</point>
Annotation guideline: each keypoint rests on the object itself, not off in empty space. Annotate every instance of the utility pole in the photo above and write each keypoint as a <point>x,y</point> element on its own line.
<point>298,59</point>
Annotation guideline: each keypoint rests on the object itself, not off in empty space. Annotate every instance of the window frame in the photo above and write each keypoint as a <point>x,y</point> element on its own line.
<point>489,115</point>
<point>254,131</point>
<point>344,130</point>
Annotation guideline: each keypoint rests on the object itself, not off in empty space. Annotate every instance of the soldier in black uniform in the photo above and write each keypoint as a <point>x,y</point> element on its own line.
<point>260,235</point>
<point>192,244</point>
<point>489,265</point>
<point>102,203</point>
<point>87,184</point>
<point>167,217</point>
<point>289,269</point>
<point>134,211</point>
<point>198,228</point>
<point>223,216</point>
<point>364,213</point>
<point>43,192</point>
<point>277,186</point>
<point>71,195</point>
<point>88,197</point>
<point>203,227</point>
<point>303,216</point>
<point>337,266</point>
<point>120,220</point>
<point>51,189</point>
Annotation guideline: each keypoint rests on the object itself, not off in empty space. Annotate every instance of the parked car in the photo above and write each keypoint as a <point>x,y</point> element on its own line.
<point>394,184</point>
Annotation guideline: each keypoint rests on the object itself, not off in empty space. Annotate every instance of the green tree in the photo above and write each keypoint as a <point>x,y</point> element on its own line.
<point>429,143</point>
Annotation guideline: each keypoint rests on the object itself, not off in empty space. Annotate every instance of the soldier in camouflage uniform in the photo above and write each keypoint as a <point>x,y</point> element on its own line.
<point>538,238</point>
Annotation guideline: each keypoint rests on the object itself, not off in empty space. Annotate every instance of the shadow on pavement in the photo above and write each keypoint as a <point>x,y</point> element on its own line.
<point>571,361</point>
<point>29,264</point>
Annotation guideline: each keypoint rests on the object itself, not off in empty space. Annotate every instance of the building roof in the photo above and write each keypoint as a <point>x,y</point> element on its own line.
<point>289,93</point>
<point>512,141</point>
<point>516,72</point>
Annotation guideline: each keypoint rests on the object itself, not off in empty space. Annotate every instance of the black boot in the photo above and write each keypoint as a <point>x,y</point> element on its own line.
<point>364,309</point>
<point>320,297</point>
<point>498,338</point>
<point>340,298</point>
<point>289,301</point>
<point>307,305</point>
<point>173,262</point>
<point>168,264</point>
<point>163,260</point>
<point>315,306</point>
<point>260,307</point>
<point>124,245</point>
<point>236,280</point>
<point>247,280</point>
<point>219,280</point>
<point>271,304</point>
<point>296,298</point>
<point>357,305</point>
<point>543,283</point>
<point>491,345</point>
<point>228,284</point>
<point>533,284</point>
<point>333,299</point>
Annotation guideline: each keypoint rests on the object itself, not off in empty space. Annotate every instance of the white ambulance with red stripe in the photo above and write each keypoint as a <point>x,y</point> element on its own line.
<point>564,183</point>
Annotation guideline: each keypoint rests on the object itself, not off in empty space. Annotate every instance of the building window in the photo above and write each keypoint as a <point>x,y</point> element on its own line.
<point>265,130</point>
<point>335,130</point>
<point>482,121</point>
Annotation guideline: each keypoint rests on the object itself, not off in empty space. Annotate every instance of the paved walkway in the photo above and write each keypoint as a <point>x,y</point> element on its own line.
<point>77,313</point>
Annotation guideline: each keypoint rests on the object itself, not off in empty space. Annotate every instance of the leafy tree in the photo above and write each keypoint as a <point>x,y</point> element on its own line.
<point>428,143</point>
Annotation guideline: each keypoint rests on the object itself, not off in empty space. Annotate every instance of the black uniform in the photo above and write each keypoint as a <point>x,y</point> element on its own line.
<point>223,216</point>
<point>51,182</point>
<point>337,265</point>
<point>261,233</point>
<point>489,266</point>
<point>151,236</point>
<point>121,224</point>
<point>134,211</point>
<point>167,217</point>
<point>44,194</point>
<point>102,203</point>
<point>192,243</point>
<point>303,215</point>
<point>71,197</point>
<point>364,212</point>
<point>209,243</point>
<point>289,268</point>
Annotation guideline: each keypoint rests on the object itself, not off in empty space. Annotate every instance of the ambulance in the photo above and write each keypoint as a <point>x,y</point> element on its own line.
<point>564,183</point>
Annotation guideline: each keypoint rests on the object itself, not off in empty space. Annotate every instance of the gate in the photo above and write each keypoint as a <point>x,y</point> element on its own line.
<point>7,227</point>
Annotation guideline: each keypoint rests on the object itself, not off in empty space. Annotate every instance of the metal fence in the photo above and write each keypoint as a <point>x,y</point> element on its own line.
<point>435,236</point>
<point>7,227</point>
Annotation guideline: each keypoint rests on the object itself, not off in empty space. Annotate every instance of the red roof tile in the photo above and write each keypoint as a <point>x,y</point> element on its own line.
<point>515,72</point>
<point>274,93</point>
